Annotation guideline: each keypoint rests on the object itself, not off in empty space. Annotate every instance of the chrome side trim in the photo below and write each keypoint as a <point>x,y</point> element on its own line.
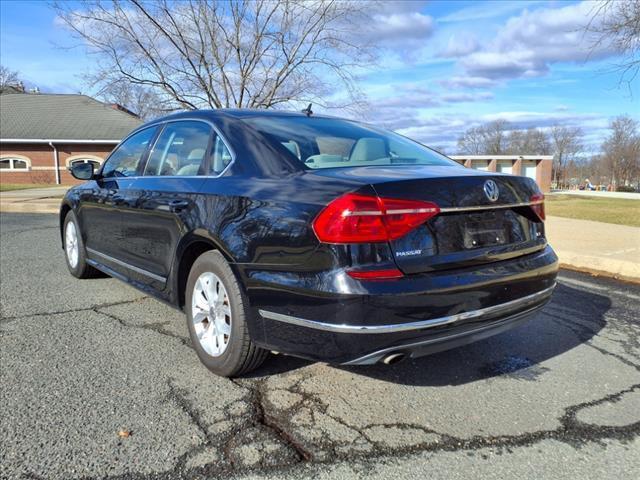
<point>128,266</point>
<point>403,327</point>
<point>488,207</point>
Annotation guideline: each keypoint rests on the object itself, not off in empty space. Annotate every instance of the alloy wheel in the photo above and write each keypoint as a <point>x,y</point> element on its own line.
<point>211,314</point>
<point>71,244</point>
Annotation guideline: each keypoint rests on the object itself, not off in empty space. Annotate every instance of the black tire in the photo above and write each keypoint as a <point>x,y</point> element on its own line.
<point>241,354</point>
<point>82,269</point>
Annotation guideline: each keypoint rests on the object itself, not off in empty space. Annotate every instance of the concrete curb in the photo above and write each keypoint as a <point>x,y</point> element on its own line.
<point>29,208</point>
<point>618,269</point>
<point>600,273</point>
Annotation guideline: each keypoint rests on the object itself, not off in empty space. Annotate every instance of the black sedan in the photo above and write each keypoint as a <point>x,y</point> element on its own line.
<point>308,235</point>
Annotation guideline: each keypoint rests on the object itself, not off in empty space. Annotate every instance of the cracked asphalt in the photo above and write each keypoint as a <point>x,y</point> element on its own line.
<point>84,360</point>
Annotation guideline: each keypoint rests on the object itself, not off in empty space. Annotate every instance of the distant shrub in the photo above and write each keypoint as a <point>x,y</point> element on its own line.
<point>624,188</point>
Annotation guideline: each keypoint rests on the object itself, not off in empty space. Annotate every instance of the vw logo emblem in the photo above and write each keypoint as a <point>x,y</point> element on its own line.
<point>491,190</point>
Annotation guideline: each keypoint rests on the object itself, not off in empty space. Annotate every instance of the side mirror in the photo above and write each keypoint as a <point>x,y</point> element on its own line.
<point>82,171</point>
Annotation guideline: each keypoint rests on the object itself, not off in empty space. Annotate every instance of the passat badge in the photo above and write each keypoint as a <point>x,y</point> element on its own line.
<point>491,190</point>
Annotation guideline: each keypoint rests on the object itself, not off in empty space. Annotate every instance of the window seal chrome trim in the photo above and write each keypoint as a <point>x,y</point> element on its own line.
<point>141,128</point>
<point>109,258</point>
<point>489,207</point>
<point>216,130</point>
<point>404,327</point>
<point>163,123</point>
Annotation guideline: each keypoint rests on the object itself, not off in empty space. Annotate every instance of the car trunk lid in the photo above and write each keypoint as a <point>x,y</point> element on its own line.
<point>473,227</point>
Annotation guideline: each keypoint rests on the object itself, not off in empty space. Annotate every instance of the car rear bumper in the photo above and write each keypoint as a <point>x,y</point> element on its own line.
<point>420,314</point>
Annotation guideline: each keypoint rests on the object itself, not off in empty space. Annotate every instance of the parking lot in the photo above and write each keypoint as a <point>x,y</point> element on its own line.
<point>98,380</point>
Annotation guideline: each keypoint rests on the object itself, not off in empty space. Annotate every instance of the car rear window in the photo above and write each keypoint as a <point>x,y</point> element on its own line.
<point>320,142</point>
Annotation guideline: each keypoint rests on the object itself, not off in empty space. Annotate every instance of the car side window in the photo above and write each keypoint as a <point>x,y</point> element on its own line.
<point>181,150</point>
<point>124,161</point>
<point>221,156</point>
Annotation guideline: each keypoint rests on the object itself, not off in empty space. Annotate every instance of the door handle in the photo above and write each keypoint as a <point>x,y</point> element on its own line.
<point>177,206</point>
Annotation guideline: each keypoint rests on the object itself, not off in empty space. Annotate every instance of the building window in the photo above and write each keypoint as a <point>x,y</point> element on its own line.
<point>529,169</point>
<point>504,166</point>
<point>15,163</point>
<point>480,164</point>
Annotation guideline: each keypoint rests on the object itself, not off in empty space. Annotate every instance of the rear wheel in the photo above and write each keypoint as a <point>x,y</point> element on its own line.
<point>217,318</point>
<point>74,249</point>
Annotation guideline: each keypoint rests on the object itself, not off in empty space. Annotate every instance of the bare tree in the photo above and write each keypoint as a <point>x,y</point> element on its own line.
<point>141,100</point>
<point>566,143</point>
<point>496,137</point>
<point>622,151</point>
<point>472,141</point>
<point>616,24</point>
<point>235,53</point>
<point>8,77</point>
<point>488,139</point>
<point>528,142</point>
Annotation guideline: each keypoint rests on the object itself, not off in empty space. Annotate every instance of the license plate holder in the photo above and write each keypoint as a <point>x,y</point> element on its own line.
<point>478,235</point>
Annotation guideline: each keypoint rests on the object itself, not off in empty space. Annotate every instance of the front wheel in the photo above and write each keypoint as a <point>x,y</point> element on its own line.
<point>74,249</point>
<point>217,318</point>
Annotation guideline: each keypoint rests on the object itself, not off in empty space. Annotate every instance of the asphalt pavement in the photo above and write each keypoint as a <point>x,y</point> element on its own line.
<point>99,381</point>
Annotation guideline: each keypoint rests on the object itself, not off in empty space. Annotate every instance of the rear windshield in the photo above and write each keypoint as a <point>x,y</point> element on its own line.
<point>332,143</point>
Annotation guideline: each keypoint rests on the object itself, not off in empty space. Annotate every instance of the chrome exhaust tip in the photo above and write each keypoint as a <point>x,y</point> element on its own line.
<point>393,358</point>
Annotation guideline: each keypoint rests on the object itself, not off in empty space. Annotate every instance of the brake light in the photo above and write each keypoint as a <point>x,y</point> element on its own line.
<point>537,205</point>
<point>387,274</point>
<point>357,218</point>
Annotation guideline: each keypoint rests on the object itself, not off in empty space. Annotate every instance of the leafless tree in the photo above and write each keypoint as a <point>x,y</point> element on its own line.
<point>234,53</point>
<point>472,141</point>
<point>488,139</point>
<point>566,143</point>
<point>8,77</point>
<point>616,24</point>
<point>139,99</point>
<point>496,137</point>
<point>622,151</point>
<point>528,142</point>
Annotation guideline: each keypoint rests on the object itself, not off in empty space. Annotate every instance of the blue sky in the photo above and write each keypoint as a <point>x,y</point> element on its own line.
<point>445,66</point>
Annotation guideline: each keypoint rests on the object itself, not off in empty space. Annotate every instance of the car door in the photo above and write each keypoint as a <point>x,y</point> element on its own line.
<point>101,206</point>
<point>162,204</point>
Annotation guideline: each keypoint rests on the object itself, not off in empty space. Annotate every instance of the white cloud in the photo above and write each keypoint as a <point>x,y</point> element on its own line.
<point>486,10</point>
<point>466,97</point>
<point>526,119</point>
<point>444,129</point>
<point>500,65</point>
<point>405,105</point>
<point>528,44</point>
<point>467,82</point>
<point>460,45</point>
<point>400,29</point>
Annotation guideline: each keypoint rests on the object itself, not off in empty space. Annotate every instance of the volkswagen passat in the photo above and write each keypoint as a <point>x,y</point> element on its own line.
<point>312,236</point>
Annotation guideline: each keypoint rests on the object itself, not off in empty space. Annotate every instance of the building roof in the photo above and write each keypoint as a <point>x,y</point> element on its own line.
<point>62,117</point>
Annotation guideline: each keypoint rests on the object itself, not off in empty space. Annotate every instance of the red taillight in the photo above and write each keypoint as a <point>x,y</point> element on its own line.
<point>387,274</point>
<point>356,218</point>
<point>537,205</point>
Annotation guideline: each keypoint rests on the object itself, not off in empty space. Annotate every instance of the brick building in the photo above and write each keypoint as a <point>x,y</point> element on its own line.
<point>537,167</point>
<point>42,135</point>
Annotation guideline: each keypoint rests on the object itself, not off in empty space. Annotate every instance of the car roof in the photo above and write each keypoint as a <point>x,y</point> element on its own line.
<point>238,113</point>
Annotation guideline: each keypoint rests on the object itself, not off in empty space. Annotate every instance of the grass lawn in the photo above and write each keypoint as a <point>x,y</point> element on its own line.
<point>608,210</point>
<point>5,187</point>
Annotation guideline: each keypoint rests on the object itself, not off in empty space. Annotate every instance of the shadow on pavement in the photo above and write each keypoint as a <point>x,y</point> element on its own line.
<point>571,318</point>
